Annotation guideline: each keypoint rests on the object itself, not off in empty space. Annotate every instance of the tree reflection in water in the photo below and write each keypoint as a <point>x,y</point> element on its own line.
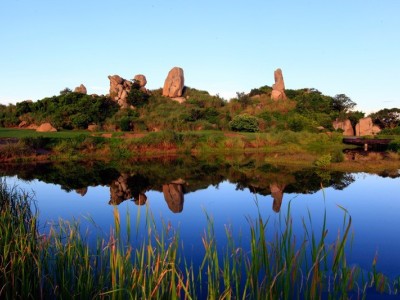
<point>179,175</point>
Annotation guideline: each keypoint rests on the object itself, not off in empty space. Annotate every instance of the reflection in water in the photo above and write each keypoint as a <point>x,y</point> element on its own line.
<point>173,194</point>
<point>132,181</point>
<point>277,195</point>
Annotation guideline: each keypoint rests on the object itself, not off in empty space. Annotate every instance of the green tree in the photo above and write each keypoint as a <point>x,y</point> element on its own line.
<point>65,91</point>
<point>387,118</point>
<point>136,96</point>
<point>243,99</point>
<point>342,103</point>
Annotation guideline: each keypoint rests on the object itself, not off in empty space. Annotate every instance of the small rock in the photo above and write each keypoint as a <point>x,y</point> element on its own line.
<point>46,127</point>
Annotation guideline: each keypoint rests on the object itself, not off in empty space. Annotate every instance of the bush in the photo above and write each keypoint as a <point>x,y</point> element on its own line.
<point>394,145</point>
<point>136,97</point>
<point>337,156</point>
<point>297,122</point>
<point>245,123</point>
<point>323,161</point>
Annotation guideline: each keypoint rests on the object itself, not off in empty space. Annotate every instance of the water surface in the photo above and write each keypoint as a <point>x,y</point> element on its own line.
<point>181,191</point>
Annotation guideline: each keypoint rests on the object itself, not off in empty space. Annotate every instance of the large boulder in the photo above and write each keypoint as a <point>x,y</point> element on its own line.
<point>278,88</point>
<point>141,80</point>
<point>174,83</point>
<point>46,127</point>
<point>345,126</point>
<point>81,89</point>
<point>365,126</point>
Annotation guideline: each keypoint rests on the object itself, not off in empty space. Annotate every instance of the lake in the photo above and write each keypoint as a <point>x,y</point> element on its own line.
<point>182,191</point>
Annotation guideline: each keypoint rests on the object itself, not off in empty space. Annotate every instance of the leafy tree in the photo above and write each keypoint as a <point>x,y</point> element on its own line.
<point>261,90</point>
<point>354,117</point>
<point>137,97</point>
<point>387,118</point>
<point>243,99</point>
<point>313,101</point>
<point>342,103</point>
<point>65,91</point>
<point>23,108</point>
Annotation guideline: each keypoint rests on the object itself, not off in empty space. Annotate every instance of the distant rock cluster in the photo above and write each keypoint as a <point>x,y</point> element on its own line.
<point>365,126</point>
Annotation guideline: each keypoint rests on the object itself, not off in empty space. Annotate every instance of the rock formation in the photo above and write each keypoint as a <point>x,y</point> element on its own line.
<point>278,88</point>
<point>119,90</point>
<point>81,89</point>
<point>140,199</point>
<point>173,194</point>
<point>345,126</point>
<point>23,124</point>
<point>365,126</point>
<point>174,83</point>
<point>141,80</point>
<point>93,127</point>
<point>46,127</point>
<point>119,190</point>
<point>277,195</point>
<point>82,191</point>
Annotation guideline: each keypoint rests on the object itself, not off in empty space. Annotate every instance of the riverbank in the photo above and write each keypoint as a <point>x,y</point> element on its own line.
<point>283,147</point>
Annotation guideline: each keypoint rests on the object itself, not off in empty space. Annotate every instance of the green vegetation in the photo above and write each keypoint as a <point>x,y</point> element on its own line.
<point>202,123</point>
<point>63,264</point>
<point>305,110</point>
<point>244,123</point>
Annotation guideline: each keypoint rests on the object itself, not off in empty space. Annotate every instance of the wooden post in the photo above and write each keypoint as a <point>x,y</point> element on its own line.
<point>366,147</point>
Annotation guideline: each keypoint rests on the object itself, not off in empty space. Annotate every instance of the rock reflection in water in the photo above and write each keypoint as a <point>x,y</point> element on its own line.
<point>277,195</point>
<point>131,181</point>
<point>173,194</point>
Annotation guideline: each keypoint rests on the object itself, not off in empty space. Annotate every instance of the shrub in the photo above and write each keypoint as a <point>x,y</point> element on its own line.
<point>337,156</point>
<point>244,122</point>
<point>394,145</point>
<point>136,97</point>
<point>80,120</point>
<point>323,161</point>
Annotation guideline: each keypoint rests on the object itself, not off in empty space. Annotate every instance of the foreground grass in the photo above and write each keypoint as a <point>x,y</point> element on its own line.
<point>62,264</point>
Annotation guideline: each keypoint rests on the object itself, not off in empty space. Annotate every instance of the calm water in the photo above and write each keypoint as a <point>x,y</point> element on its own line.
<point>180,191</point>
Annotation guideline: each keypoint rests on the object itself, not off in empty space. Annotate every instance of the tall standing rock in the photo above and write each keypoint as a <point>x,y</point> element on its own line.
<point>277,195</point>
<point>174,83</point>
<point>365,126</point>
<point>345,126</point>
<point>278,88</point>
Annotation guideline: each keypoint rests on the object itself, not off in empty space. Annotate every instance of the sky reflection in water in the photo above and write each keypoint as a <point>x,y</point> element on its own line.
<point>372,201</point>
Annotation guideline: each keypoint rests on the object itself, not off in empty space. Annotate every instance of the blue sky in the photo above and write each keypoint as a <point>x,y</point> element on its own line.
<point>224,47</point>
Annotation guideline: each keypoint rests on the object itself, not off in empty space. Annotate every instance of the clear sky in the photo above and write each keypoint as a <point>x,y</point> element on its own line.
<point>224,47</point>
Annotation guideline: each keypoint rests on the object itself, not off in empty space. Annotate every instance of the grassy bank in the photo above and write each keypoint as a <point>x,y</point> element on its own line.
<point>279,147</point>
<point>61,264</point>
<point>27,144</point>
